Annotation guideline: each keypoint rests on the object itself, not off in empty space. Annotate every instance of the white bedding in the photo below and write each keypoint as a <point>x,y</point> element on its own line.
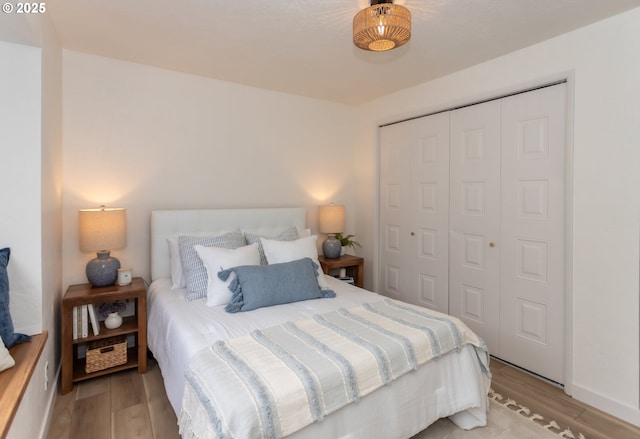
<point>453,385</point>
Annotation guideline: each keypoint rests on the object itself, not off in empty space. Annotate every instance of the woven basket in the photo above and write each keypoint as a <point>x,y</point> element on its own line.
<point>106,353</point>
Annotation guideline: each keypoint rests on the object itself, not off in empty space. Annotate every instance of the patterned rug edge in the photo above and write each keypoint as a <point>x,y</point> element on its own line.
<point>540,420</point>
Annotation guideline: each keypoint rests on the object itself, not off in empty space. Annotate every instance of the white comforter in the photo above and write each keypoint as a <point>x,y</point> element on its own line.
<point>452,386</point>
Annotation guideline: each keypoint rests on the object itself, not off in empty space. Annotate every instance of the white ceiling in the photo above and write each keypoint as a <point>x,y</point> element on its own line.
<point>305,47</point>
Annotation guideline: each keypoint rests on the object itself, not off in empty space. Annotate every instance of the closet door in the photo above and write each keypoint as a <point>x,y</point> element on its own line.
<point>474,281</point>
<point>532,281</point>
<point>472,211</point>
<point>414,211</point>
<point>394,203</point>
<point>507,279</point>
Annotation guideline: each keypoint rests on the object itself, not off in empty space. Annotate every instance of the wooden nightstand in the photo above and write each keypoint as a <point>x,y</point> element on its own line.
<point>353,264</point>
<point>73,369</point>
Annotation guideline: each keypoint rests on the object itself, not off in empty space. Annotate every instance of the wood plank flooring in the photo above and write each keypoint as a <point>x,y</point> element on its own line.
<point>551,402</point>
<point>123,405</point>
<point>132,406</point>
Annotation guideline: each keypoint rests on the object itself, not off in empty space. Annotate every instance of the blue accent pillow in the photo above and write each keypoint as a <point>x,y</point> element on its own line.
<point>9,337</point>
<point>257,286</point>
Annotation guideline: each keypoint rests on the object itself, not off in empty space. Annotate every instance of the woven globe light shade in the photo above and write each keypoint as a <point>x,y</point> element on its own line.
<point>382,26</point>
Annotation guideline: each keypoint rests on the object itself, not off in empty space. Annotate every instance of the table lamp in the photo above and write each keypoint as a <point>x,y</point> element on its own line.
<point>102,230</point>
<point>331,221</point>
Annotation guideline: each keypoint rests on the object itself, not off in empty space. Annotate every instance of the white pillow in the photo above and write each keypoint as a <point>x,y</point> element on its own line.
<point>288,234</point>
<point>6,360</point>
<point>216,259</point>
<point>287,251</point>
<point>193,270</point>
<point>177,278</point>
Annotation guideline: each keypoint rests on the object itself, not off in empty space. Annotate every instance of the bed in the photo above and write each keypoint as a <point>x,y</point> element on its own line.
<point>454,385</point>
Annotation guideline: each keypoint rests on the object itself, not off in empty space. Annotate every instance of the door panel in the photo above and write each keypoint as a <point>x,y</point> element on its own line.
<point>429,222</point>
<point>475,219</point>
<point>533,231</point>
<point>394,200</point>
<point>414,211</point>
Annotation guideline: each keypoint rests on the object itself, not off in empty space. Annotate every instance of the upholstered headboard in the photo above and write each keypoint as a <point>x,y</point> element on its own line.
<point>169,223</point>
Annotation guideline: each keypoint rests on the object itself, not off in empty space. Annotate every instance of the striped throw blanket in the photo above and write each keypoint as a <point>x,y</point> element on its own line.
<point>276,381</point>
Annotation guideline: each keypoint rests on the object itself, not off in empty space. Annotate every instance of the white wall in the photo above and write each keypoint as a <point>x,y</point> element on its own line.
<point>31,141</point>
<point>606,140</point>
<point>51,232</point>
<point>20,221</point>
<point>144,138</point>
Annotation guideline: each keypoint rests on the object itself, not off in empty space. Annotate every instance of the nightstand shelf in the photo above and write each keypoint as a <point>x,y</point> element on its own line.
<point>354,265</point>
<point>129,325</point>
<point>73,368</point>
<point>79,364</point>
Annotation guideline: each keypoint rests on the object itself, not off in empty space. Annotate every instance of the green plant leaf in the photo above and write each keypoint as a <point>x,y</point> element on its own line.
<point>347,240</point>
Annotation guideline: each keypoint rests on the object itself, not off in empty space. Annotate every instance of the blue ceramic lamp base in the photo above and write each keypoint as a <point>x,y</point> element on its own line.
<point>103,270</point>
<point>331,247</point>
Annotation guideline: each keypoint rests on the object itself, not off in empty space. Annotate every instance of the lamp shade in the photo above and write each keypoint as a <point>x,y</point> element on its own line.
<point>331,218</point>
<point>382,26</point>
<point>331,221</point>
<point>102,229</point>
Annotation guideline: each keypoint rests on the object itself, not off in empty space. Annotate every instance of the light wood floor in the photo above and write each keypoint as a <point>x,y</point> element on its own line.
<point>123,405</point>
<point>126,405</point>
<point>552,403</point>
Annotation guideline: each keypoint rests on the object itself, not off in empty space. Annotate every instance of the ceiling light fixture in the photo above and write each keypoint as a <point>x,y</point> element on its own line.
<point>382,26</point>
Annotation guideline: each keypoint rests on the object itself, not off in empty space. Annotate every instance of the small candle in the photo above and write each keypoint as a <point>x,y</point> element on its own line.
<point>124,276</point>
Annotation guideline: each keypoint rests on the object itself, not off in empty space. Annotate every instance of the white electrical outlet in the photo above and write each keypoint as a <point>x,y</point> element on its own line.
<point>46,375</point>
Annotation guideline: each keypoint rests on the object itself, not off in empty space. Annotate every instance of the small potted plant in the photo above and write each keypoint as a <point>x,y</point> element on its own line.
<point>347,241</point>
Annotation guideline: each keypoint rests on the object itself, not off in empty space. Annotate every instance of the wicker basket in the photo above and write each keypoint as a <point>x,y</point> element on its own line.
<point>106,353</point>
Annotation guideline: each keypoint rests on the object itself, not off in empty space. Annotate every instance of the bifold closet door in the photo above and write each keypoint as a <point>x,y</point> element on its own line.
<point>472,221</point>
<point>414,211</point>
<point>507,263</point>
<point>532,277</point>
<point>474,272</point>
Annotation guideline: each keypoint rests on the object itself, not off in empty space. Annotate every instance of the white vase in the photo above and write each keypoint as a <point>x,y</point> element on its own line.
<point>113,321</point>
<point>343,250</point>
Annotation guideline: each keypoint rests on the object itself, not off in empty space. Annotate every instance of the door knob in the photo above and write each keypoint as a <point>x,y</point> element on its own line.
<point>492,244</point>
<point>413,234</point>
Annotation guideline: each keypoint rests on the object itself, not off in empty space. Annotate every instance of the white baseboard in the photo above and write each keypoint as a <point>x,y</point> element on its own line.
<point>44,428</point>
<point>615,408</point>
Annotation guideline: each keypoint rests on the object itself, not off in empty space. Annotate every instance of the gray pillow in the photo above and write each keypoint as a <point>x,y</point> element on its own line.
<point>289,234</point>
<point>9,337</point>
<point>192,267</point>
<point>257,286</point>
